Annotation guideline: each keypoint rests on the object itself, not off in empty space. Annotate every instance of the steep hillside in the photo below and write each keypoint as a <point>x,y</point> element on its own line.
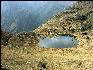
<point>5,36</point>
<point>76,21</point>
<point>79,16</point>
<point>26,16</point>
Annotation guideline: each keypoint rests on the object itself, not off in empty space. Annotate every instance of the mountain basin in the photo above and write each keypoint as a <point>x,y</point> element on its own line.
<point>58,42</point>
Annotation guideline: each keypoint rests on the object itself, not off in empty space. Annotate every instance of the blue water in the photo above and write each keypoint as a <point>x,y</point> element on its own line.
<point>58,42</point>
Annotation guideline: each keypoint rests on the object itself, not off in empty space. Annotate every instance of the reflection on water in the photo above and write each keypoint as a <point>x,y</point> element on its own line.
<point>58,42</point>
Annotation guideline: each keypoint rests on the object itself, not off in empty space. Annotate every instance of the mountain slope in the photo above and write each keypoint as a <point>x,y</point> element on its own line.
<point>80,15</point>
<point>26,16</point>
<point>76,21</point>
<point>5,36</point>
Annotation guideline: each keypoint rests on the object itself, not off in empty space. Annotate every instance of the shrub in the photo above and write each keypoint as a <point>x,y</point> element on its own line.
<point>80,18</point>
<point>86,26</point>
<point>85,33</point>
<point>72,30</point>
<point>42,64</point>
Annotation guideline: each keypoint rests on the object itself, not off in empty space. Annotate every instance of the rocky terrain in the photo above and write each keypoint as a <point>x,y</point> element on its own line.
<point>76,21</point>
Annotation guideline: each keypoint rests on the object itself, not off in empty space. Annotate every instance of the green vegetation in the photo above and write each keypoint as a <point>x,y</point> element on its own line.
<point>85,33</point>
<point>42,65</point>
<point>86,26</point>
<point>80,18</point>
<point>72,30</point>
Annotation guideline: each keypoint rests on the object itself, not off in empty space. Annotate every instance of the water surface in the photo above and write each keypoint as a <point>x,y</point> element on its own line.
<point>58,42</point>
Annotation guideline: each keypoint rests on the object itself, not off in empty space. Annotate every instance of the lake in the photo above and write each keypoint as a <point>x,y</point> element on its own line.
<point>58,42</point>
